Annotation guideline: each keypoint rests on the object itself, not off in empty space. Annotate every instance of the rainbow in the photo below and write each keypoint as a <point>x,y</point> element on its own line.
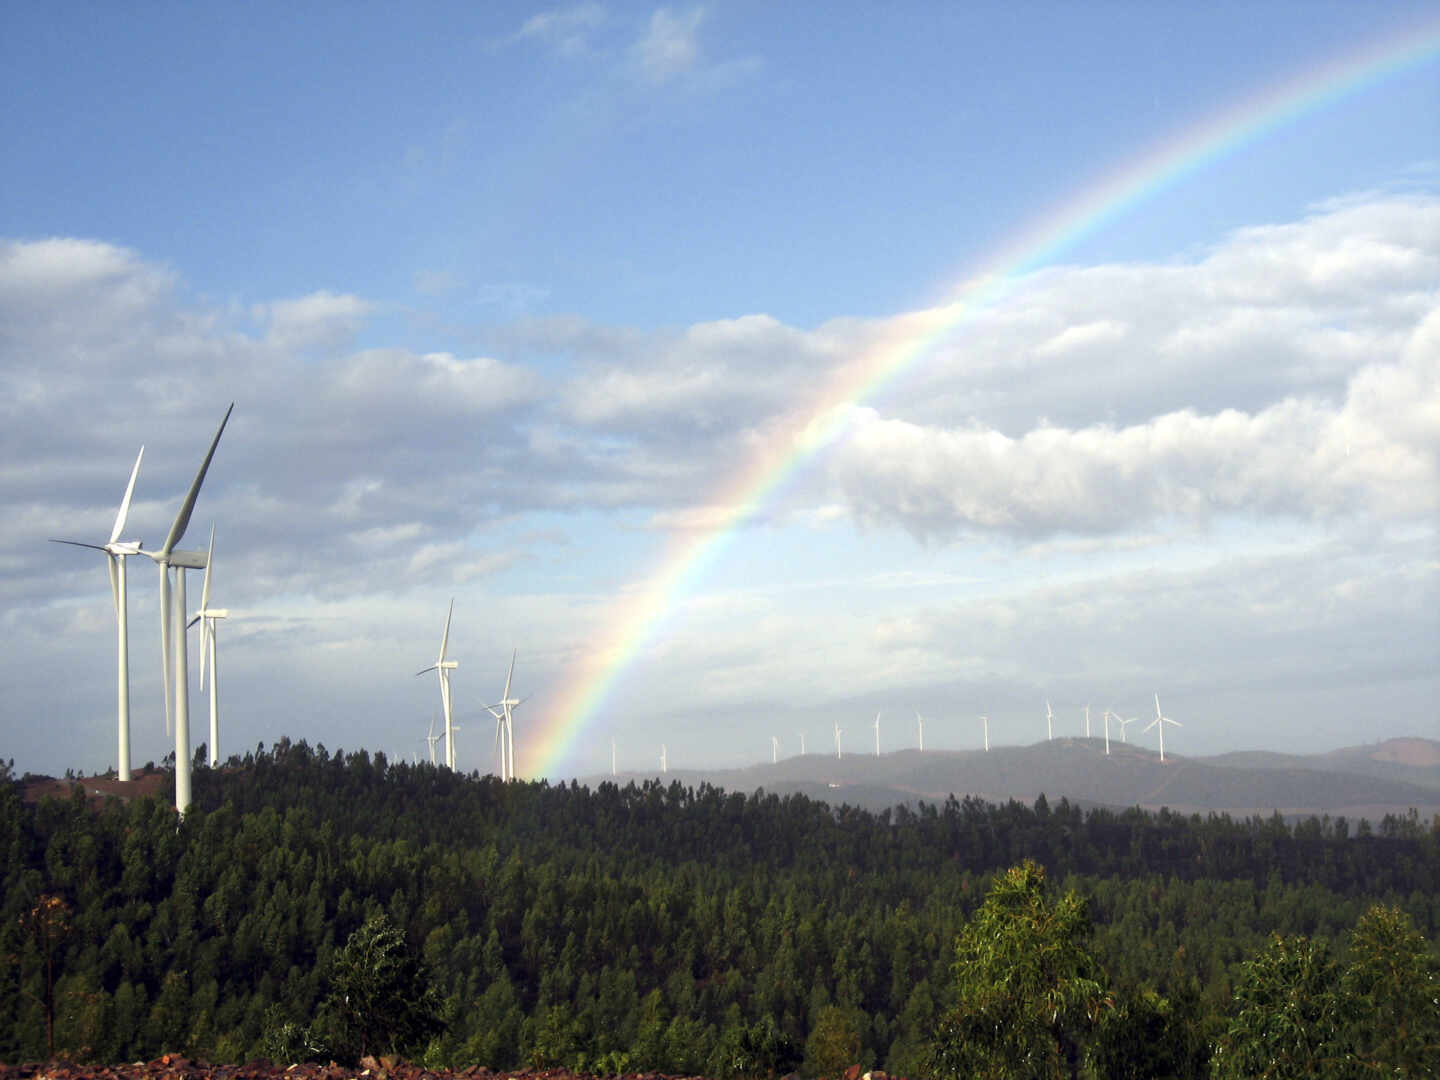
<point>642,612</point>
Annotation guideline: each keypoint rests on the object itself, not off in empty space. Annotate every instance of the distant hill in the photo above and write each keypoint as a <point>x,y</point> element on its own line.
<point>1358,782</point>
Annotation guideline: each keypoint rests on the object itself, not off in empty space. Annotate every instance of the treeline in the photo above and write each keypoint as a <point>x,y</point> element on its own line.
<point>653,926</point>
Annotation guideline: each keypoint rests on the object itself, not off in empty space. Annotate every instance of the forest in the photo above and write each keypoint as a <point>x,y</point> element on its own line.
<point>694,931</point>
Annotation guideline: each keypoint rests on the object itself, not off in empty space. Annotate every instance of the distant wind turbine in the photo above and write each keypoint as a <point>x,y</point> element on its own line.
<point>443,667</point>
<point>505,717</point>
<point>206,616</point>
<point>986,721</point>
<point>920,723</point>
<point>431,739</point>
<point>172,620</point>
<point>1107,731</point>
<point>1049,721</point>
<point>838,732</point>
<point>1087,721</point>
<point>877,734</point>
<point>1123,725</point>
<point>116,551</point>
<point>802,742</point>
<point>1160,721</point>
<point>664,759</point>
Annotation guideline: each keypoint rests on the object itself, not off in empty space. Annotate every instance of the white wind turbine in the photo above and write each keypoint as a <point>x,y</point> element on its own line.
<point>1107,731</point>
<point>664,759</point>
<point>1049,721</point>
<point>774,749</point>
<point>172,620</point>
<point>920,723</point>
<point>802,742</point>
<point>877,734</point>
<point>505,718</point>
<point>1123,725</point>
<point>443,667</point>
<point>206,616</point>
<point>838,732</point>
<point>116,551</point>
<point>986,721</point>
<point>1087,721</point>
<point>1160,721</point>
<point>431,739</point>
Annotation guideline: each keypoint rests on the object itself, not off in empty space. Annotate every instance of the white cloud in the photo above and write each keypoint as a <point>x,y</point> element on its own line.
<point>1084,336</point>
<point>566,30</point>
<point>320,320</point>
<point>670,45</point>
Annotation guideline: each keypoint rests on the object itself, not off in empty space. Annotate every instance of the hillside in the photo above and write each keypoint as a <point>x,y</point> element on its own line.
<point>1361,782</point>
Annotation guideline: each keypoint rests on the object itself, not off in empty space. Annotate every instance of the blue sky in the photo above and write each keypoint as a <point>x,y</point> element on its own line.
<point>504,293</point>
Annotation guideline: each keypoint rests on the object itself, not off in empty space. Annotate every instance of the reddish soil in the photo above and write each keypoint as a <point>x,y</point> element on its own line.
<point>172,1067</point>
<point>97,788</point>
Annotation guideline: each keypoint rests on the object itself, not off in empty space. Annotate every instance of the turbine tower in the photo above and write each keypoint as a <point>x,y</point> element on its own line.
<point>1049,721</point>
<point>1087,721</point>
<point>774,749</point>
<point>1160,721</point>
<point>838,732</point>
<point>172,620</point>
<point>664,759</point>
<point>1107,731</point>
<point>206,616</point>
<point>802,742</point>
<point>986,721</point>
<point>920,723</point>
<point>116,551</point>
<point>877,734</point>
<point>443,667</point>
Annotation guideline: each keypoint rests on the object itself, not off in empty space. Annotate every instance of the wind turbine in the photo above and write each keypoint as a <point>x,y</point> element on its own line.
<point>802,742</point>
<point>774,749</point>
<point>431,739</point>
<point>1107,731</point>
<point>1087,721</point>
<point>920,722</point>
<point>1160,721</point>
<point>1049,721</point>
<point>664,759</point>
<point>877,734</point>
<point>172,618</point>
<point>1123,725</point>
<point>207,650</point>
<point>443,667</point>
<point>838,732</point>
<point>986,721</point>
<point>116,551</point>
<point>506,720</point>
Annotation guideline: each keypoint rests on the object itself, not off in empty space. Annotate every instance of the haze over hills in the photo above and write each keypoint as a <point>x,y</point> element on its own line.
<point>1390,777</point>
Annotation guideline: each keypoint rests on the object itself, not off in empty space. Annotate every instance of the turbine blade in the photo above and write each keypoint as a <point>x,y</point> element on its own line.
<point>80,543</point>
<point>445,637</point>
<point>165,637</point>
<point>209,558</point>
<point>182,519</point>
<point>125,502</point>
<point>508,676</point>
